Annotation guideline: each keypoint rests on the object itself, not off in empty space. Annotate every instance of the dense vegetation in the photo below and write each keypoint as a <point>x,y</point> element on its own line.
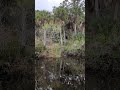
<point>102,48</point>
<point>64,25</point>
<point>59,46</point>
<point>103,30</point>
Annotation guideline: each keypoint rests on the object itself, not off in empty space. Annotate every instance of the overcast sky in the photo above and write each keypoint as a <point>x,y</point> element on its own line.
<point>46,4</point>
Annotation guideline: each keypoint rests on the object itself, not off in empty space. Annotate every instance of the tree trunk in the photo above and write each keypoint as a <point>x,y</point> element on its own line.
<point>81,27</point>
<point>61,62</point>
<point>83,31</point>
<point>61,40</point>
<point>61,49</point>
<point>44,38</point>
<point>75,31</point>
<point>64,37</point>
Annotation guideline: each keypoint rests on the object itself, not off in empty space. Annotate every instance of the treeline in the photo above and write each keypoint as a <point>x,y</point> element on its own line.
<point>69,11</point>
<point>65,25</point>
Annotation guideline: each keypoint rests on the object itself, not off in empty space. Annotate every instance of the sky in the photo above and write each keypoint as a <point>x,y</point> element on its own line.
<point>46,4</point>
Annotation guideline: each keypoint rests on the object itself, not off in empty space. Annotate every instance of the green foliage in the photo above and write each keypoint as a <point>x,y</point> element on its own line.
<point>75,8</point>
<point>40,48</point>
<point>61,13</point>
<point>75,43</point>
<point>67,11</point>
<point>42,15</point>
<point>79,36</point>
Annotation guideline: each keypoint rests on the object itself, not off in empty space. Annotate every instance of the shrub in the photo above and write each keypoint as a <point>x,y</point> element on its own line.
<point>40,48</point>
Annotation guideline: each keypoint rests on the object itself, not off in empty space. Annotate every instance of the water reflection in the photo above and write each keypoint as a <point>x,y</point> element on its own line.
<point>52,75</point>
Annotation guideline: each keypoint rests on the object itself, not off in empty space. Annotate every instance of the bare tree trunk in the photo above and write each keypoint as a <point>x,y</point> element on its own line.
<point>81,26</point>
<point>83,31</point>
<point>44,38</point>
<point>61,40</point>
<point>61,49</point>
<point>61,62</point>
<point>64,37</point>
<point>75,31</point>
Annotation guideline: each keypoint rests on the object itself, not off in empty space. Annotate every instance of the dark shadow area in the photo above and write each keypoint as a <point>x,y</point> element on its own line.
<point>17,45</point>
<point>102,45</point>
